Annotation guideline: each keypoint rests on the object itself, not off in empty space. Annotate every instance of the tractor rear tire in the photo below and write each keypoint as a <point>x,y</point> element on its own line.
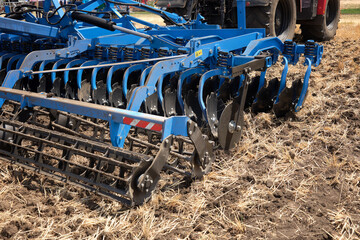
<point>324,28</point>
<point>279,18</point>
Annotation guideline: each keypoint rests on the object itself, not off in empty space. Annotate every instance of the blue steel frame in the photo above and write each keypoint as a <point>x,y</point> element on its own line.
<point>203,45</point>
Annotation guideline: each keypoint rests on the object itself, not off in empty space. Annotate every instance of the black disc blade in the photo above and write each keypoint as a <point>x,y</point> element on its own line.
<point>45,84</point>
<point>214,108</point>
<point>266,97</point>
<point>84,93</point>
<point>251,92</point>
<point>170,103</point>
<point>287,99</point>
<point>58,87</point>
<point>99,94</point>
<point>228,133</point>
<point>2,75</point>
<point>152,104</point>
<point>116,98</point>
<point>192,107</point>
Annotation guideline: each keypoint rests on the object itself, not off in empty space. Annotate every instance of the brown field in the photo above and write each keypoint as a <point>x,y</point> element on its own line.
<point>293,178</point>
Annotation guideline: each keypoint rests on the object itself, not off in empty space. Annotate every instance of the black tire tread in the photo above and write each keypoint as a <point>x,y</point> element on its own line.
<point>319,32</point>
<point>258,17</point>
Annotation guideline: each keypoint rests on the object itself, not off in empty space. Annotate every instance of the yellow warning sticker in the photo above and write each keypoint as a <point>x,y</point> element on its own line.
<point>198,53</point>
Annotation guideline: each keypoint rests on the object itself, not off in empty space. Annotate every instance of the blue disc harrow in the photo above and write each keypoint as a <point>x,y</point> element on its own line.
<point>88,98</point>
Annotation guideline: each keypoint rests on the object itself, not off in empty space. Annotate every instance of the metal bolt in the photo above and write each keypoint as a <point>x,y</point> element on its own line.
<point>182,64</point>
<point>167,141</point>
<point>232,126</point>
<point>210,51</point>
<point>238,128</point>
<point>191,62</point>
<point>89,45</point>
<point>190,132</point>
<point>75,38</point>
<point>67,53</point>
<point>58,54</point>
<point>142,185</point>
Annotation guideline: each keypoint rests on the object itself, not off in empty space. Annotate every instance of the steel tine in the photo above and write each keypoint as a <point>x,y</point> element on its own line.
<point>45,83</point>
<point>98,85</point>
<point>129,71</point>
<point>11,65</point>
<point>114,86</point>
<point>144,75</point>
<point>283,78</point>
<point>204,77</point>
<point>83,81</point>
<point>70,80</point>
<point>304,86</point>
<point>183,76</point>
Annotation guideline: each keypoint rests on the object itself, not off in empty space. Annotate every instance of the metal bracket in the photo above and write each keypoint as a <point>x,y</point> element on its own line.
<point>203,156</point>
<point>147,175</point>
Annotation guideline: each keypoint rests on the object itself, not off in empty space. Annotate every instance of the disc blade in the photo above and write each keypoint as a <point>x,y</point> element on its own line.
<point>170,103</point>
<point>116,98</point>
<point>214,108</point>
<point>45,84</point>
<point>99,94</point>
<point>228,133</point>
<point>84,93</point>
<point>2,75</point>
<point>266,97</point>
<point>192,107</point>
<point>287,99</point>
<point>251,92</point>
<point>58,87</point>
<point>151,104</point>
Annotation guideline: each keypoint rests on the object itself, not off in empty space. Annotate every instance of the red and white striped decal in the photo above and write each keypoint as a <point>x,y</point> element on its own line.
<point>142,124</point>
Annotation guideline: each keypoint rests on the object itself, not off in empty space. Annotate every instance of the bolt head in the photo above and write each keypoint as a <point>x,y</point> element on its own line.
<point>232,126</point>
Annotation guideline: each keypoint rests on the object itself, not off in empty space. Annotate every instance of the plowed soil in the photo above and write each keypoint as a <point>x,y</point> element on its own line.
<point>289,178</point>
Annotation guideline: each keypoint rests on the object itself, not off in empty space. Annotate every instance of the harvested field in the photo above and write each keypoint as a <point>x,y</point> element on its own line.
<point>293,178</point>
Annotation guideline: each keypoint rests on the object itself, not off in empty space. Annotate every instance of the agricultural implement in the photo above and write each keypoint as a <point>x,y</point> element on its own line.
<point>89,99</point>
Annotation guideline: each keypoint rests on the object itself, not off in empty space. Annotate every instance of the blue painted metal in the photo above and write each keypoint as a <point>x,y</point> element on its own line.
<point>204,77</point>
<point>305,85</point>
<point>94,75</point>
<point>133,68</point>
<point>196,46</point>
<point>173,125</point>
<point>80,72</point>
<point>111,72</point>
<point>183,76</point>
<point>283,78</point>
<point>69,65</point>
